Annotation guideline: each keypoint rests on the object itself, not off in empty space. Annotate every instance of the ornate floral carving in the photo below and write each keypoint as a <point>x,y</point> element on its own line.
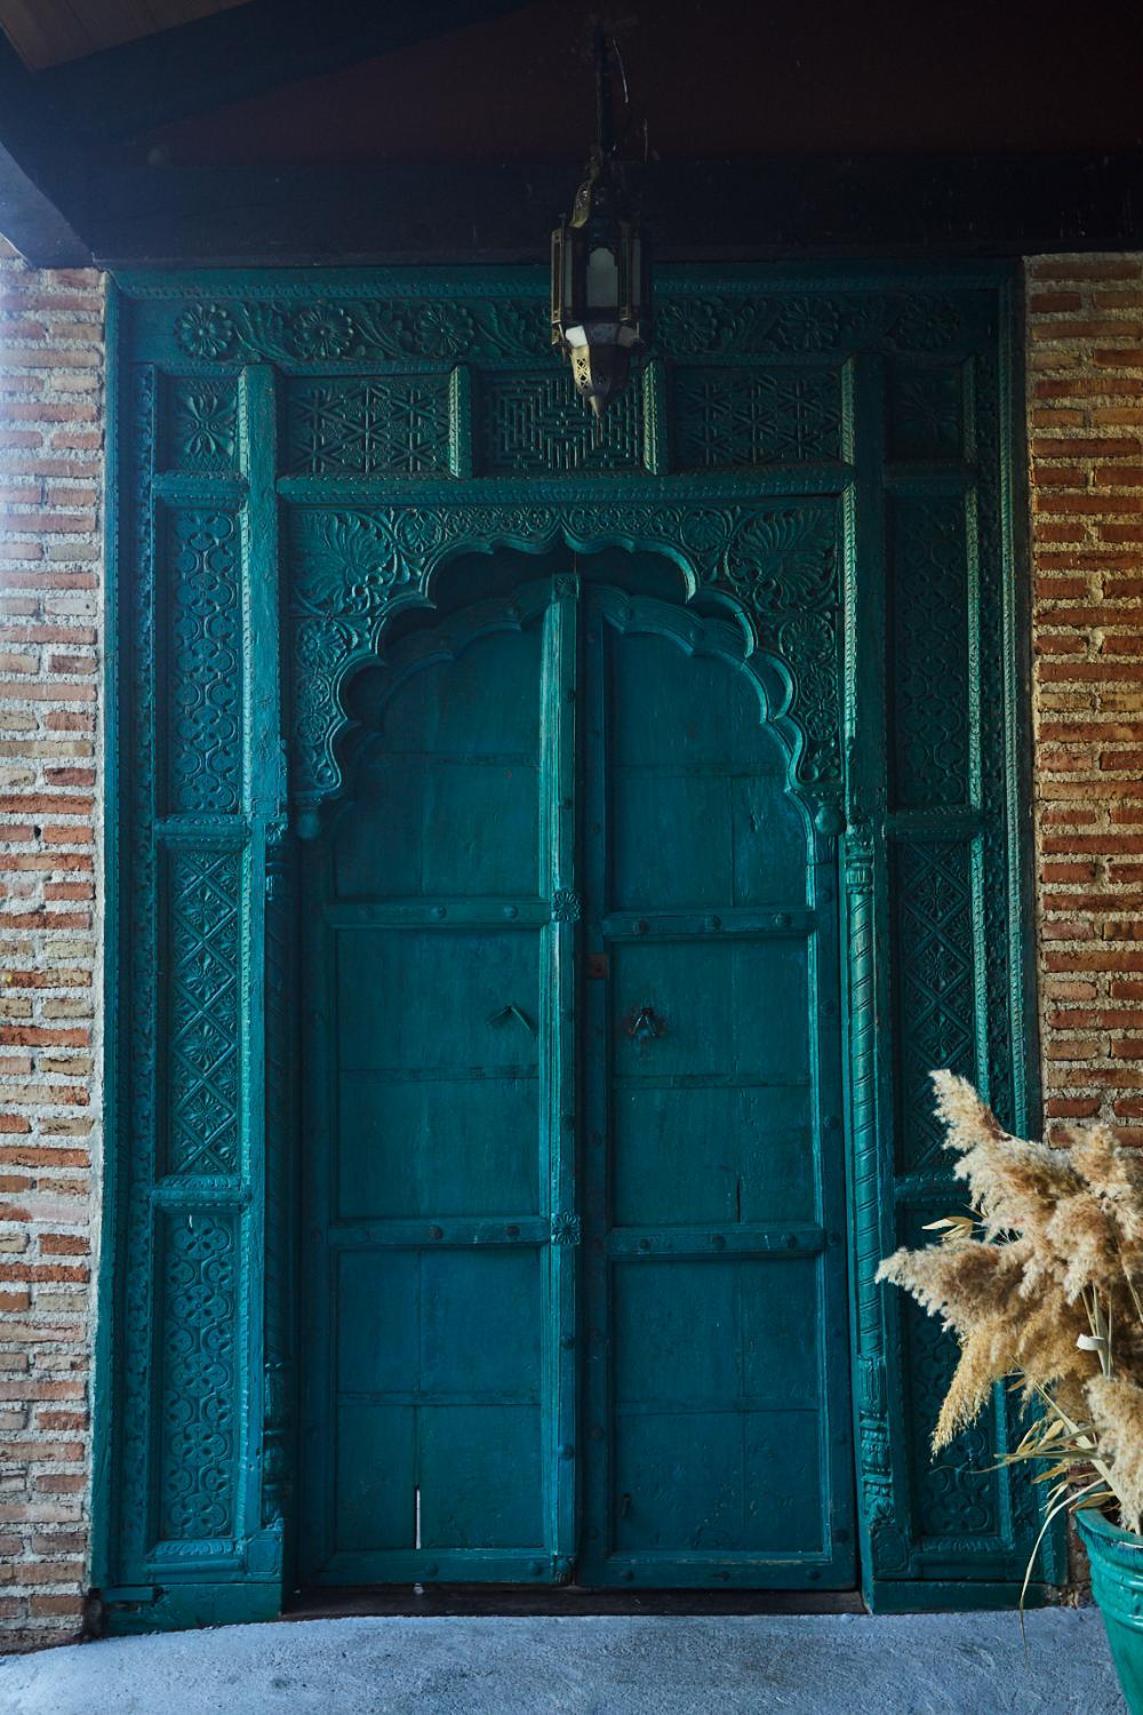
<point>201,426</point>
<point>781,562</point>
<point>784,559</point>
<point>566,906</point>
<point>926,408</point>
<point>362,330</point>
<point>206,331</point>
<point>291,328</point>
<point>567,1229</point>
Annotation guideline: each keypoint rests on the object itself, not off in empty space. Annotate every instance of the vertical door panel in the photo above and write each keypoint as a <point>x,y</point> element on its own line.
<point>435,1393</point>
<point>718,1446</point>
<point>714,1445</point>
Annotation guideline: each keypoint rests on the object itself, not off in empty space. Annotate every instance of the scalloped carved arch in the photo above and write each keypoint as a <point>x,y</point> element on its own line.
<point>775,567</point>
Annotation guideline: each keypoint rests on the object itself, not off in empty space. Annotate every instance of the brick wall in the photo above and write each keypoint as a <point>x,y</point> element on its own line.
<point>1085,405</point>
<point>51,363</point>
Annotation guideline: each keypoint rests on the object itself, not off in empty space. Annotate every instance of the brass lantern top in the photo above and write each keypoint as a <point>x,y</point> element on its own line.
<point>600,274</point>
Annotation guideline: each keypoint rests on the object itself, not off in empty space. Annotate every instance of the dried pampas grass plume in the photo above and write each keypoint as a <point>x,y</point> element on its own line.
<point>1045,1286</point>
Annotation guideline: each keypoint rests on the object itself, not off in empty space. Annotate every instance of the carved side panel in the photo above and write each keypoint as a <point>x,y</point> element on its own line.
<point>204,660</point>
<point>929,652</point>
<point>365,426</point>
<point>723,418</point>
<point>935,1013</point>
<point>198,1377</point>
<point>956,1495</point>
<point>204,1024</point>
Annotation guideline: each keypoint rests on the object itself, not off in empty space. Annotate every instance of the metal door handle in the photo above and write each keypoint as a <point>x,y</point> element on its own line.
<point>512,1011</point>
<point>645,1025</point>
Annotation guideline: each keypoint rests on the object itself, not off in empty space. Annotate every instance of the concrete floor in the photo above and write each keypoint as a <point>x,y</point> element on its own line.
<point>944,1664</point>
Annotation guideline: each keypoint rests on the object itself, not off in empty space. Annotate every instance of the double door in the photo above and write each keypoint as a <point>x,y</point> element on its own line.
<point>575,1281</point>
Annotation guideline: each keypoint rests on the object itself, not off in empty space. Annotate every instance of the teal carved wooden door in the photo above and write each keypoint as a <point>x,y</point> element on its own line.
<point>577,1280</point>
<point>504,1216</point>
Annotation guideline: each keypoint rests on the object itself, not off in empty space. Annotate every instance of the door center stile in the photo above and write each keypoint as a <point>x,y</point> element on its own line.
<point>560,787</point>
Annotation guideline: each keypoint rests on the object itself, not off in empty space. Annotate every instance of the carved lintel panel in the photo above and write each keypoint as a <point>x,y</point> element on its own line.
<point>535,425</point>
<point>729,417</point>
<point>363,426</point>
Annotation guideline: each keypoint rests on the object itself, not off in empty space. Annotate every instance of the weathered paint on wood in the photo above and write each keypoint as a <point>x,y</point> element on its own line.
<point>451,1182</point>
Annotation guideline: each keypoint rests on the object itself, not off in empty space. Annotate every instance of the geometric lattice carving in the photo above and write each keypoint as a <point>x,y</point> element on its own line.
<point>930,666</point>
<point>935,1014</point>
<point>956,1492</point>
<point>398,426</point>
<point>536,425</point>
<point>205,1020</point>
<point>205,662</point>
<point>200,430</point>
<point>198,1394</point>
<point>728,417</point>
<point>925,411</point>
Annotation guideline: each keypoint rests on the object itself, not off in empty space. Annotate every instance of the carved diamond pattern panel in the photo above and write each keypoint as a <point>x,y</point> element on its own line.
<point>198,1300</point>
<point>536,425</point>
<point>935,1013</point>
<point>956,1492</point>
<point>200,430</point>
<point>729,417</point>
<point>926,408</point>
<point>204,690</point>
<point>397,426</point>
<point>930,643</point>
<point>205,1022</point>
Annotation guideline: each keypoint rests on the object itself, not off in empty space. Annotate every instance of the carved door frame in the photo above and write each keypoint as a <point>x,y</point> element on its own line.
<point>823,452</point>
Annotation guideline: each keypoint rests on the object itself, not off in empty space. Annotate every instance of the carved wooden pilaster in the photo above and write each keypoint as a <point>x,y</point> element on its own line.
<point>886,1540</point>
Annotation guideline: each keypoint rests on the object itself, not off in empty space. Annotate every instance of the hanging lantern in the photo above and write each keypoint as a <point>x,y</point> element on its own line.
<point>601,288</point>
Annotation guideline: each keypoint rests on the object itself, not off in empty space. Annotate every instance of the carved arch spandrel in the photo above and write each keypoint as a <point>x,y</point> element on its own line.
<point>775,566</point>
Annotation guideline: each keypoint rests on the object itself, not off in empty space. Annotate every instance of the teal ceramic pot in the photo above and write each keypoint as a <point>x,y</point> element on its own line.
<point>1117,1583</point>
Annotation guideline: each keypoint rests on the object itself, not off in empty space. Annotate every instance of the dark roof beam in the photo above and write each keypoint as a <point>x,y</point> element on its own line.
<point>122,93</point>
<point>42,176</point>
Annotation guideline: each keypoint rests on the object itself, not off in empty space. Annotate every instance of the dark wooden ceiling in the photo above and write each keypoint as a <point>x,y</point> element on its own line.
<point>713,78</point>
<point>49,32</point>
<point>319,130</point>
